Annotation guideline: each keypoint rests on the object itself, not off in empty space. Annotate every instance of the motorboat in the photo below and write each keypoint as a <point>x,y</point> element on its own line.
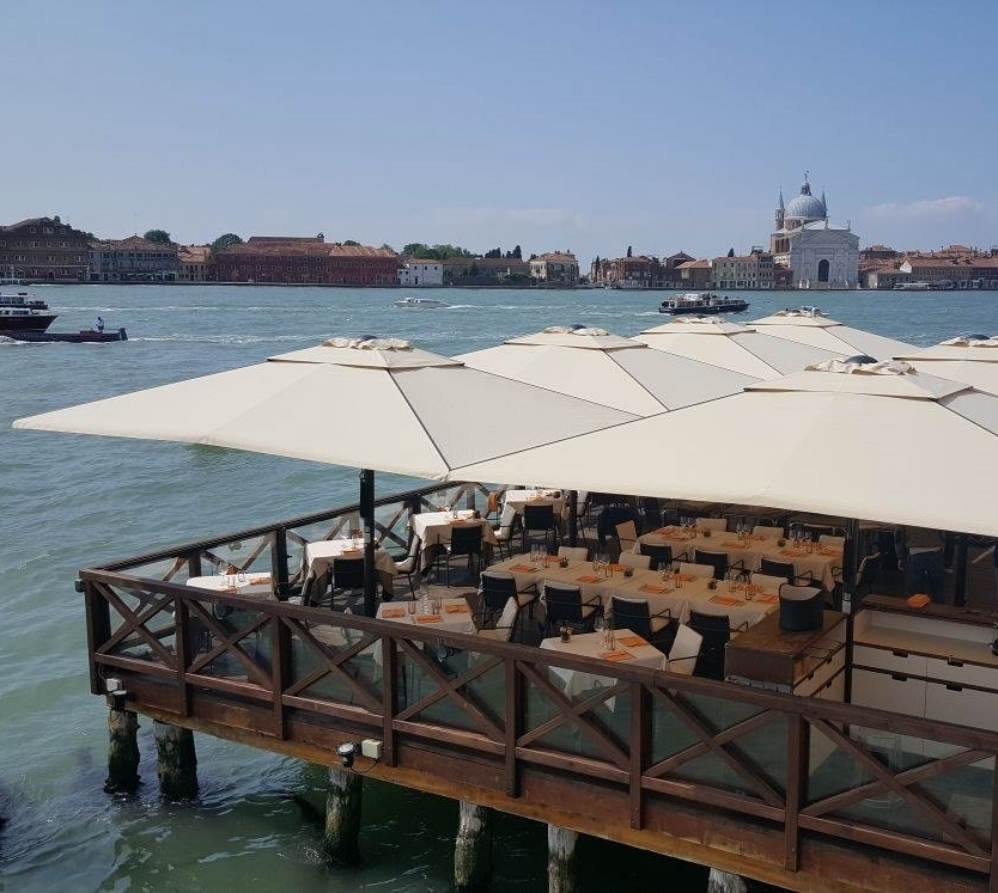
<point>911,286</point>
<point>702,303</point>
<point>420,302</point>
<point>21,313</point>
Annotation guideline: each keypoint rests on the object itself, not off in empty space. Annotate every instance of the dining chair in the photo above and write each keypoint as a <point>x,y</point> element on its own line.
<point>348,575</point>
<point>497,587</point>
<point>410,565</point>
<point>717,560</point>
<point>638,562</point>
<point>635,614</point>
<point>696,570</point>
<point>539,519</point>
<point>716,525</point>
<point>503,535</point>
<point>465,542</point>
<point>685,650</point>
<point>768,532</point>
<point>715,629</point>
<point>566,607</point>
<point>801,607</point>
<point>786,569</point>
<point>627,535</point>
<point>659,553</point>
<point>504,625</point>
<point>573,553</point>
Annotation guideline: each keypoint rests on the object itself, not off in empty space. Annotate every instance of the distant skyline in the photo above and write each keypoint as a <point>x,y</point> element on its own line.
<point>576,126</point>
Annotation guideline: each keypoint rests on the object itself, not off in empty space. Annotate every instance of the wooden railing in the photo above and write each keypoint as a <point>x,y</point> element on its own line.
<point>787,769</point>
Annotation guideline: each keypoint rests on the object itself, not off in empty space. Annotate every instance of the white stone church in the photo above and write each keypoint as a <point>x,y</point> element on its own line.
<point>818,254</point>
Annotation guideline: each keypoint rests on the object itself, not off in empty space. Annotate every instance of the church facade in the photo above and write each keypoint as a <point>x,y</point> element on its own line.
<point>817,253</point>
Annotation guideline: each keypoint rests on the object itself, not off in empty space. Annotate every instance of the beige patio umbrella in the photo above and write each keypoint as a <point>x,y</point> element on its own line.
<point>880,442</point>
<point>603,368</point>
<point>710,339</point>
<point>808,325</point>
<point>969,358</point>
<point>366,403</point>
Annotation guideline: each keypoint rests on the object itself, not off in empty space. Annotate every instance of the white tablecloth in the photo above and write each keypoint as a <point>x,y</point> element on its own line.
<point>591,645</point>
<point>451,617</point>
<point>320,555</point>
<point>750,552</point>
<point>516,499</point>
<point>434,528</point>
<point>250,586</point>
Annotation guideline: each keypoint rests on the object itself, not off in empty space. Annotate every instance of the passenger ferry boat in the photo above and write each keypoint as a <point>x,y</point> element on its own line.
<point>19,313</point>
<point>702,303</point>
<point>420,302</point>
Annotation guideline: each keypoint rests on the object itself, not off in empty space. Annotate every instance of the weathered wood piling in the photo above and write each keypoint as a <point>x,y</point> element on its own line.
<point>724,882</point>
<point>473,848</point>
<point>123,751</point>
<point>177,761</point>
<point>341,840</point>
<point>561,860</point>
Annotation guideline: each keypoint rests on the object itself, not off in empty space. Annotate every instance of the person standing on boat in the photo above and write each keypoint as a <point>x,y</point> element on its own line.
<point>100,323</point>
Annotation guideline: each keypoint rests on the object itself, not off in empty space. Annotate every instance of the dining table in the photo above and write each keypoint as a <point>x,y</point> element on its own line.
<point>452,615</point>
<point>821,563</point>
<point>627,648</point>
<point>249,585</point>
<point>676,594</point>
<point>515,500</point>
<point>319,558</point>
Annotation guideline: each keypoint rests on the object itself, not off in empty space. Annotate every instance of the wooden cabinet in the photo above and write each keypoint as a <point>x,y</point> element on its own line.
<point>804,663</point>
<point>934,662</point>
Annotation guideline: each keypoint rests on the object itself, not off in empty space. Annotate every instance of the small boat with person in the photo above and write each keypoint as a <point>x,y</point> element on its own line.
<point>410,301</point>
<point>702,303</point>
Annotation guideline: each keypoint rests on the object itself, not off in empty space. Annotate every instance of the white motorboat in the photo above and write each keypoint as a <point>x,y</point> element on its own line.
<point>420,302</point>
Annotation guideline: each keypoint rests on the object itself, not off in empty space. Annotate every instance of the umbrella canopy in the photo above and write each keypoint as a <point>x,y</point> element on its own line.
<point>809,325</point>
<point>607,369</point>
<point>367,403</point>
<point>881,442</point>
<point>969,358</point>
<point>710,339</point>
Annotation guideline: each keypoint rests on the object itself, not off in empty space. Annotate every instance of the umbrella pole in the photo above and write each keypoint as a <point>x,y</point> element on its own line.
<point>850,564</point>
<point>367,515</point>
<point>573,518</point>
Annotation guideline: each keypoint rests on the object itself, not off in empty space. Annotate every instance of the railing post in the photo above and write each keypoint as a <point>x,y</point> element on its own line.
<point>281,672</point>
<point>390,700</point>
<point>194,563</point>
<point>640,749</point>
<point>993,876</point>
<point>798,765</point>
<point>279,562</point>
<point>98,615</point>
<point>184,648</point>
<point>516,705</point>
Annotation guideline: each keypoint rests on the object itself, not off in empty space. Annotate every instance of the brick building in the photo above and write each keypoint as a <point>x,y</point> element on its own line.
<point>194,263</point>
<point>133,260</point>
<point>555,268</point>
<point>43,249</point>
<point>294,259</point>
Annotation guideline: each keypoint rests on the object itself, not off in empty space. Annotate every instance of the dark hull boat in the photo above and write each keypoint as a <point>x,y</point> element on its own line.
<point>703,305</point>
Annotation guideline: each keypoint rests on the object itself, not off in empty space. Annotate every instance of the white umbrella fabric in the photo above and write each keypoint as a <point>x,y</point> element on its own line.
<point>710,339</point>
<point>969,358</point>
<point>879,442</point>
<point>809,325</point>
<point>603,368</point>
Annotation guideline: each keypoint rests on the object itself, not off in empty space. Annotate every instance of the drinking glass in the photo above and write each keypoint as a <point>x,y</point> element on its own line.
<point>410,606</point>
<point>241,578</point>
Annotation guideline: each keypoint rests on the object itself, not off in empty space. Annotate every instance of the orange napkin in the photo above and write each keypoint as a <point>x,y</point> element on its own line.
<point>830,552</point>
<point>688,578</point>
<point>793,553</point>
<point>616,567</point>
<point>768,599</point>
<point>731,545</point>
<point>429,618</point>
<point>616,655</point>
<point>665,531</point>
<point>726,600</point>
<point>632,641</point>
<point>346,552</point>
<point>657,590</point>
<point>755,537</point>
<point>919,600</point>
<point>455,609</point>
<point>587,579</point>
<point>523,568</point>
<point>392,613</point>
<point>258,579</point>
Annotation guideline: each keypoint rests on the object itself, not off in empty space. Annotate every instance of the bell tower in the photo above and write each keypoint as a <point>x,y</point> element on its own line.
<point>780,211</point>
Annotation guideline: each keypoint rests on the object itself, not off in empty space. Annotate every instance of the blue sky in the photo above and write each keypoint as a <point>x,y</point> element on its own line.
<point>555,125</point>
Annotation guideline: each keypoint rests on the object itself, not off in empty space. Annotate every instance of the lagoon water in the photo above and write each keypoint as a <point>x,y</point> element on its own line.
<point>67,502</point>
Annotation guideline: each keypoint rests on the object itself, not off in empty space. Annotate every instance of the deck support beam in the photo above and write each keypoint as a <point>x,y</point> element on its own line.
<point>341,839</point>
<point>122,752</point>
<point>561,860</point>
<point>177,762</point>
<point>724,882</point>
<point>473,848</point>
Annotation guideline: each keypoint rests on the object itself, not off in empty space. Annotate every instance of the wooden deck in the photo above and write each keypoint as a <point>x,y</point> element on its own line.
<point>782,789</point>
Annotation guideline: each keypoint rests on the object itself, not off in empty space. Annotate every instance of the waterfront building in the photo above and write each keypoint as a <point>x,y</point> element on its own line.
<point>555,268</point>
<point>754,270</point>
<point>311,260</point>
<point>671,276</point>
<point>629,272</point>
<point>954,267</point>
<point>421,272</point>
<point>44,249</point>
<point>485,271</point>
<point>194,263</point>
<point>817,253</point>
<point>694,274</point>
<point>133,259</point>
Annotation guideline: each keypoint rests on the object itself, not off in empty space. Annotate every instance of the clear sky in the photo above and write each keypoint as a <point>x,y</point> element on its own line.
<point>587,126</point>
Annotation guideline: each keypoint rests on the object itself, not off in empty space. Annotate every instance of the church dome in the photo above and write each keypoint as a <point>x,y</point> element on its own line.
<point>806,206</point>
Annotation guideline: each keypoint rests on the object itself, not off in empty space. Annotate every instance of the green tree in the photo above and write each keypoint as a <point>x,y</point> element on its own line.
<point>352,243</point>
<point>629,252</point>
<point>731,252</point>
<point>518,253</point>
<point>158,235</point>
<point>226,240</point>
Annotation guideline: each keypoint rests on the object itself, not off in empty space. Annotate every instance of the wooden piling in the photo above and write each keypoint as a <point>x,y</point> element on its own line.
<point>122,752</point>
<point>341,841</point>
<point>473,848</point>
<point>177,761</point>
<point>725,882</point>
<point>561,860</point>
